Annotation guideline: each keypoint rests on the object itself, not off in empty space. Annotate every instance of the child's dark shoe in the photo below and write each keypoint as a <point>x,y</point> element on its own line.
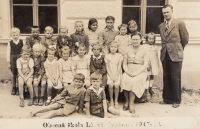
<point>13,91</point>
<point>151,91</point>
<point>30,103</point>
<point>21,104</point>
<point>41,102</point>
<point>36,101</point>
<point>17,91</point>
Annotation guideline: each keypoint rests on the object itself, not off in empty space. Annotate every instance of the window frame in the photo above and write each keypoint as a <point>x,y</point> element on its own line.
<point>35,5</point>
<point>143,7</point>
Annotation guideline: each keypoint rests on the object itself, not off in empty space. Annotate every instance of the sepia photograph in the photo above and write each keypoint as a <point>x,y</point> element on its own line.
<point>99,64</point>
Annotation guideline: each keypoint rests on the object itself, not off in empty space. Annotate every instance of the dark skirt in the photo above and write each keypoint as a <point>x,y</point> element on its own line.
<point>13,64</point>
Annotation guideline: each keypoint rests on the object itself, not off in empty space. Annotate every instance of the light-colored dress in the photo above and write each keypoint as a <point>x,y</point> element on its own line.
<point>123,43</point>
<point>93,38</point>
<point>81,65</point>
<point>52,68</point>
<point>136,62</point>
<point>66,67</point>
<point>113,61</point>
<point>153,59</point>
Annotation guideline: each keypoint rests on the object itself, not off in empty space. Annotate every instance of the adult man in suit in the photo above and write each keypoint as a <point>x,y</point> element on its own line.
<point>174,37</point>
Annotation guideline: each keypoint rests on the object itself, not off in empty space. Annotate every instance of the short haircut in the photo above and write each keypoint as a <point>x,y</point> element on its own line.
<point>122,25</point>
<point>134,23</point>
<point>26,49</point>
<point>37,46</point>
<point>151,33</point>
<point>35,27</point>
<point>51,49</point>
<point>138,34</point>
<point>168,5</point>
<point>14,30</point>
<point>49,28</point>
<point>65,49</point>
<point>96,76</point>
<point>63,28</point>
<point>97,46</point>
<point>81,45</point>
<point>110,18</point>
<point>91,21</point>
<point>80,77</point>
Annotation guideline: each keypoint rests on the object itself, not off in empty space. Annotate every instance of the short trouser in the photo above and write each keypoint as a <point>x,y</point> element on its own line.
<point>66,109</point>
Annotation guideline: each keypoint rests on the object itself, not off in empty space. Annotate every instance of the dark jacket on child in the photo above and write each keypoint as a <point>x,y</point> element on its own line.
<point>30,41</point>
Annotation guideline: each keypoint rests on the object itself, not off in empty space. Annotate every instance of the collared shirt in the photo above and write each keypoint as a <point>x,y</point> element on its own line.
<point>38,66</point>
<point>107,36</point>
<point>95,99</point>
<point>9,48</point>
<point>72,95</point>
<point>169,22</point>
<point>98,64</point>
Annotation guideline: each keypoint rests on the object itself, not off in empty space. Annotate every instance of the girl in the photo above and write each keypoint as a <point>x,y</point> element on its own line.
<point>82,63</point>
<point>66,67</point>
<point>96,103</point>
<point>79,37</point>
<point>113,65</point>
<point>133,28</point>
<point>93,33</point>
<point>38,74</point>
<point>13,53</point>
<point>108,34</point>
<point>123,39</point>
<point>153,62</point>
<point>25,69</point>
<point>52,74</point>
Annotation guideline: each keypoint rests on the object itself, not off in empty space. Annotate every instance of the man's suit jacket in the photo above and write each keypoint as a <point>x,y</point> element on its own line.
<point>175,41</point>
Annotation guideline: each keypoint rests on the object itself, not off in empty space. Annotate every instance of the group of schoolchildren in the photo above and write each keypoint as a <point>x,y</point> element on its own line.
<point>78,66</point>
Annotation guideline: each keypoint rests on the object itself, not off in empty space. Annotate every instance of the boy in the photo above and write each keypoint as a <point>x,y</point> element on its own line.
<point>96,103</point>
<point>63,40</point>
<point>31,40</point>
<point>38,74</point>
<point>14,48</point>
<point>108,34</point>
<point>97,63</point>
<point>66,102</point>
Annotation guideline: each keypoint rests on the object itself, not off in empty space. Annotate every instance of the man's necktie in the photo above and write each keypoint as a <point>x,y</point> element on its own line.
<point>167,29</point>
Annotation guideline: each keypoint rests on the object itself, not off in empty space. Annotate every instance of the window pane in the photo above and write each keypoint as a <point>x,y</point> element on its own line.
<point>48,16</point>
<point>22,1</point>
<point>132,13</point>
<point>154,18</point>
<point>156,2</point>
<point>131,2</point>
<point>23,18</point>
<point>47,1</point>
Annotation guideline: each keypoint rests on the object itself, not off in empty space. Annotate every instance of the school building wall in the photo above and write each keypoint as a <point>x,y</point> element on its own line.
<point>73,10</point>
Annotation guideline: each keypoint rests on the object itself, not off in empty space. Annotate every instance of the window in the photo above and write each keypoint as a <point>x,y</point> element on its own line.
<point>147,14</point>
<point>26,13</point>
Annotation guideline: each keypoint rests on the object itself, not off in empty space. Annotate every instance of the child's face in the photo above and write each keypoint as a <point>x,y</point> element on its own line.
<point>50,55</point>
<point>79,27</point>
<point>94,26</point>
<point>109,24</point>
<point>65,55</point>
<point>132,28</point>
<point>96,83</point>
<point>63,33</point>
<point>15,36</point>
<point>25,55</point>
<point>96,51</point>
<point>151,39</point>
<point>48,34</point>
<point>78,83</point>
<point>81,51</point>
<point>113,48</point>
<point>35,32</point>
<point>36,52</point>
<point>123,30</point>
